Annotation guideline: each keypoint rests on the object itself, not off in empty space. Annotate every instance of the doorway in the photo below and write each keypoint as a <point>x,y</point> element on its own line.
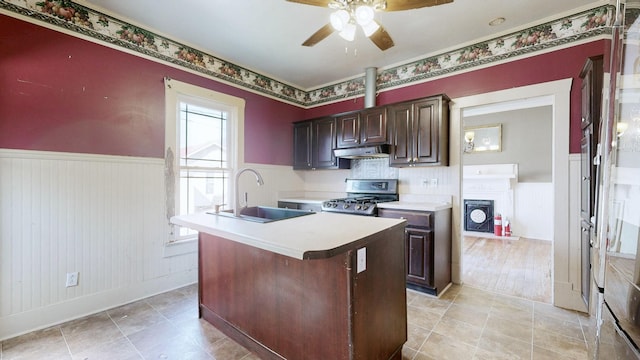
<point>510,172</point>
<point>566,248</point>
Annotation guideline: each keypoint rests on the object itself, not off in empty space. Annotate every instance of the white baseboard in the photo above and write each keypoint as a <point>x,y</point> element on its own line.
<point>55,314</point>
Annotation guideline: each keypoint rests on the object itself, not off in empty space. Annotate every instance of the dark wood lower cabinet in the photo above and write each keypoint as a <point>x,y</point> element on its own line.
<point>300,206</point>
<point>419,249</point>
<point>285,308</point>
<point>427,248</point>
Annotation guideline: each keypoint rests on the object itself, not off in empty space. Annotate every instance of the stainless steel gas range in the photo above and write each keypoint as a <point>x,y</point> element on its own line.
<point>363,195</point>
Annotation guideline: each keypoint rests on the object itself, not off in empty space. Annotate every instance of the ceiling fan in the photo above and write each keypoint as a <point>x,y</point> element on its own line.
<point>349,13</point>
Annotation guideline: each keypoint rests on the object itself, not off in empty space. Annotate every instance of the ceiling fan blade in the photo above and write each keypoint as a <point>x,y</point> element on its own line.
<point>382,39</point>
<point>323,3</point>
<point>398,5</point>
<point>319,35</point>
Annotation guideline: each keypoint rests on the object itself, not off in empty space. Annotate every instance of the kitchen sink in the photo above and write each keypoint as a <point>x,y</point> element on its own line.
<point>264,214</point>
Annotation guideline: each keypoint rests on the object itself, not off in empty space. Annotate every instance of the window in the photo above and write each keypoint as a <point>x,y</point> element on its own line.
<point>204,164</point>
<point>201,150</point>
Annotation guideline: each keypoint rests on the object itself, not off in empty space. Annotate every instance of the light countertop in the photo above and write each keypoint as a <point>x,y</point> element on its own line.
<point>418,206</point>
<point>302,237</point>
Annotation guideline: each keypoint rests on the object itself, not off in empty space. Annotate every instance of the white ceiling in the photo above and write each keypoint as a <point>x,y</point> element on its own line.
<point>266,35</point>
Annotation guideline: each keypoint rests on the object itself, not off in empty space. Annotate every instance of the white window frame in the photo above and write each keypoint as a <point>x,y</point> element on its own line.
<point>175,92</point>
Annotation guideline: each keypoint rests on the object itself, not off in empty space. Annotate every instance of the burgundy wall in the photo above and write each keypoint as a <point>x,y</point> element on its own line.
<point>61,93</point>
<point>561,64</point>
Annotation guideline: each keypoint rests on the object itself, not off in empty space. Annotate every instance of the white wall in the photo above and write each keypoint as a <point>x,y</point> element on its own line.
<point>277,180</point>
<point>533,216</point>
<point>526,140</point>
<point>103,216</point>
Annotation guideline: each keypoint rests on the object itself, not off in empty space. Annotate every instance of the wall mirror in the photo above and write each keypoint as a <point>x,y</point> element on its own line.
<point>483,138</point>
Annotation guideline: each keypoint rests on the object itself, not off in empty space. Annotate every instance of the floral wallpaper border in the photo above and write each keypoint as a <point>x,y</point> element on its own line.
<point>69,15</point>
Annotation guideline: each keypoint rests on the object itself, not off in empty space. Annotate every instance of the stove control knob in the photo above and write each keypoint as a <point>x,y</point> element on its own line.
<point>335,205</point>
<point>365,207</point>
<point>345,206</point>
<point>358,207</point>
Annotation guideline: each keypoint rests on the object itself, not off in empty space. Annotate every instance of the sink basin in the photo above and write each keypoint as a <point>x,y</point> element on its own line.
<point>264,214</point>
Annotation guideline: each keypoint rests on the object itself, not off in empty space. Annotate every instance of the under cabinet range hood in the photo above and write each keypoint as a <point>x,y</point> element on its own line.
<point>366,152</point>
<point>363,152</point>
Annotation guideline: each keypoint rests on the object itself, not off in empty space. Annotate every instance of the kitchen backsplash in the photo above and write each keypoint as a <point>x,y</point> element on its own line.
<point>412,180</point>
<point>376,168</point>
<point>415,184</point>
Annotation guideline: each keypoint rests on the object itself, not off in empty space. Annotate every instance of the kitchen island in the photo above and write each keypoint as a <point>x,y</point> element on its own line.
<point>320,286</point>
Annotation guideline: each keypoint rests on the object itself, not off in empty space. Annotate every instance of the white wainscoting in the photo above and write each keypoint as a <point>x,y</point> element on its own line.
<point>528,206</point>
<point>103,216</point>
<point>533,217</point>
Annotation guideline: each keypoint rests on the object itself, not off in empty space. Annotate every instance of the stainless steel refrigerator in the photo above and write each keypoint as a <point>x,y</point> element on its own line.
<point>618,208</point>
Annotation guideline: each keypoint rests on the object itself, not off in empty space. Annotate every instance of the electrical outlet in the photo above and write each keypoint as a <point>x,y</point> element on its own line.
<point>425,183</point>
<point>361,260</point>
<point>72,279</point>
<point>434,182</point>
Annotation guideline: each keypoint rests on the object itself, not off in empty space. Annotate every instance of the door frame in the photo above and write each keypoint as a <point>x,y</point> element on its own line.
<point>566,248</point>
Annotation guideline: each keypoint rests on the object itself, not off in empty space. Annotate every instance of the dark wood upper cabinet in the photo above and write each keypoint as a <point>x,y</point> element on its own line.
<point>420,132</point>
<point>313,144</point>
<point>591,87</point>
<point>373,126</point>
<point>323,143</point>
<point>417,130</point>
<point>401,118</point>
<point>348,129</point>
<point>592,78</point>
<point>302,145</point>
<point>365,127</point>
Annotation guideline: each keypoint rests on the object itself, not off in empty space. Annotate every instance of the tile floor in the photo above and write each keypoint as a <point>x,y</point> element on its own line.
<point>465,323</point>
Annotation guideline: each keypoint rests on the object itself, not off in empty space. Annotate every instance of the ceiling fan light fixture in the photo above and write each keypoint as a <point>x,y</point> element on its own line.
<point>370,28</point>
<point>336,4</point>
<point>339,19</point>
<point>347,15</point>
<point>364,15</point>
<point>349,32</point>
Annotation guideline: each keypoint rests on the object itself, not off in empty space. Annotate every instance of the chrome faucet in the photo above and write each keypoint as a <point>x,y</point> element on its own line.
<point>236,210</point>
